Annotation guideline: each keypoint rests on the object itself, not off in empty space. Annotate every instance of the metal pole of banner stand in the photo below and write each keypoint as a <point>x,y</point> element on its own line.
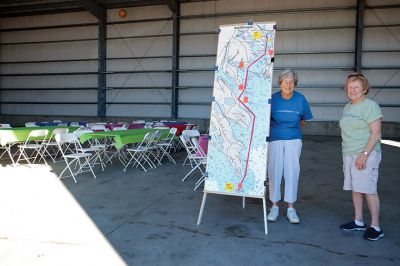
<point>203,202</point>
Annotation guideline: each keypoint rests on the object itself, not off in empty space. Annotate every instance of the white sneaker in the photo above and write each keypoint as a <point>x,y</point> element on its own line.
<point>292,216</point>
<point>273,214</point>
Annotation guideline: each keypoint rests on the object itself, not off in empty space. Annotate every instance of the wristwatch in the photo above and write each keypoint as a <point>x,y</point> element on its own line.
<point>366,153</point>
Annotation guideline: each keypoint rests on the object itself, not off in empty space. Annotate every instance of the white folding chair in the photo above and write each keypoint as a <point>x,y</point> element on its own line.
<point>140,154</point>
<point>201,161</point>
<point>31,124</point>
<point>76,161</point>
<point>187,134</point>
<point>166,145</point>
<point>34,143</point>
<point>50,146</point>
<point>195,157</point>
<point>120,128</point>
<point>148,125</point>
<point>155,150</point>
<point>97,127</point>
<point>5,148</point>
<point>98,149</point>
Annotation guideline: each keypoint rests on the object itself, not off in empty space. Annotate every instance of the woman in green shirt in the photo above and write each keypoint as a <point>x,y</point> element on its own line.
<point>361,133</point>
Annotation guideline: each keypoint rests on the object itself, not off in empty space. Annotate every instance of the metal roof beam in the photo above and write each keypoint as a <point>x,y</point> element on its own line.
<point>129,3</point>
<point>38,7</point>
<point>91,6</point>
<point>7,2</point>
<point>172,4</point>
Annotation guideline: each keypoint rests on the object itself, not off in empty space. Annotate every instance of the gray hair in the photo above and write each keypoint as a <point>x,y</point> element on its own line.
<point>288,73</point>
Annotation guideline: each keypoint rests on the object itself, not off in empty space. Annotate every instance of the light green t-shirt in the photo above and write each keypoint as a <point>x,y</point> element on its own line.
<point>354,126</point>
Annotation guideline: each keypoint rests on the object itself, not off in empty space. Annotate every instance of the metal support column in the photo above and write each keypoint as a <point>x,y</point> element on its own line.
<point>102,64</point>
<point>359,35</point>
<point>175,60</point>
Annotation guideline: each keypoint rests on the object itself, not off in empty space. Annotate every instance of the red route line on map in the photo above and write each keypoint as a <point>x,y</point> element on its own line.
<point>254,116</point>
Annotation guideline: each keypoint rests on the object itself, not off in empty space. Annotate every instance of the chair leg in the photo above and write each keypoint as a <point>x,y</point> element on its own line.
<point>200,181</point>
<point>90,167</point>
<point>70,170</point>
<point>191,171</point>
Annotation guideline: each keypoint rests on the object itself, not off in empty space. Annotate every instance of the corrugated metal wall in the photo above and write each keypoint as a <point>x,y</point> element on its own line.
<point>52,69</point>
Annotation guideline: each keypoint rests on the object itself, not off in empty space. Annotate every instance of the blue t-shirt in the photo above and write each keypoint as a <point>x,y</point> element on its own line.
<point>286,116</point>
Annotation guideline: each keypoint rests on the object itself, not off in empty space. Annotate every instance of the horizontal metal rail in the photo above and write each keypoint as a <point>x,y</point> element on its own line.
<point>193,55</point>
<point>50,41</point>
<point>50,27</point>
<point>83,24</point>
<point>48,61</point>
<point>269,11</point>
<point>48,74</point>
<point>48,89</point>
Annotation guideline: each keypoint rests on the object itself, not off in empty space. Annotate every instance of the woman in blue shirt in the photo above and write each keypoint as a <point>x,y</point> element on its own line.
<point>289,111</point>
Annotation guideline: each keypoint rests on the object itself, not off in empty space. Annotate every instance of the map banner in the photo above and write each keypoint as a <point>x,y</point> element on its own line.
<point>240,110</point>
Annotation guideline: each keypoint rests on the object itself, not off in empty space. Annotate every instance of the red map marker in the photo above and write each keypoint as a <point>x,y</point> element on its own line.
<point>241,87</point>
<point>246,99</point>
<point>271,52</point>
<point>241,64</point>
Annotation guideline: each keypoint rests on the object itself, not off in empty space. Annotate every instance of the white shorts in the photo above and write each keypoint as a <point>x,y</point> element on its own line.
<point>362,181</point>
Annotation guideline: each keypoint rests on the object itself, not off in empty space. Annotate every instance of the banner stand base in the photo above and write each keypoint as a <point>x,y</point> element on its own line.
<point>203,203</point>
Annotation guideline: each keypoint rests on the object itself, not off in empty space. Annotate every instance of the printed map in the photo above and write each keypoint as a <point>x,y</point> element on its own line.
<point>240,111</point>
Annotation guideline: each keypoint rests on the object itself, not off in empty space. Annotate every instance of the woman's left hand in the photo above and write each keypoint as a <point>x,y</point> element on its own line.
<point>361,162</point>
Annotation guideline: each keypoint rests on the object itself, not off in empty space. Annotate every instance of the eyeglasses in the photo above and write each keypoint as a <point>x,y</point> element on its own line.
<point>355,75</point>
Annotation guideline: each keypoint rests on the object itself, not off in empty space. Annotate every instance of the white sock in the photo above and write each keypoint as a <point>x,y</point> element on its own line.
<point>359,223</point>
<point>378,229</point>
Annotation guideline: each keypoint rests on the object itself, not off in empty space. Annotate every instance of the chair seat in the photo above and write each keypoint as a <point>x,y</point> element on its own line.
<point>77,155</point>
<point>138,149</point>
<point>98,146</point>
<point>50,143</point>
<point>164,144</point>
<point>30,146</point>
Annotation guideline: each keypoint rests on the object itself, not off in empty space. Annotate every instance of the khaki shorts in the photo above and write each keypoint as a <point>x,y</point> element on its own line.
<point>363,181</point>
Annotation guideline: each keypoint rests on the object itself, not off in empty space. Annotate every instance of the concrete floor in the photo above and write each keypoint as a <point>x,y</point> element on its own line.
<point>150,218</point>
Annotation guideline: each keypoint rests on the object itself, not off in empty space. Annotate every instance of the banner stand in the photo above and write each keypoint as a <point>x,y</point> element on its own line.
<point>240,113</point>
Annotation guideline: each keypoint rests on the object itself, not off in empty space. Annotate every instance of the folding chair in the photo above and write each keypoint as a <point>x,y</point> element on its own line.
<point>201,160</point>
<point>6,147</point>
<point>187,134</point>
<point>98,149</point>
<point>140,153</point>
<point>31,124</point>
<point>98,127</point>
<point>34,142</point>
<point>155,150</point>
<point>110,148</point>
<point>77,161</point>
<point>50,146</point>
<point>196,157</point>
<point>167,145</point>
<point>74,124</point>
<point>120,128</point>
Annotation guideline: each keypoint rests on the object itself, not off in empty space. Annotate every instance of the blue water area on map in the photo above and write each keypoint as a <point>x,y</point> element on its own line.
<point>229,101</point>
